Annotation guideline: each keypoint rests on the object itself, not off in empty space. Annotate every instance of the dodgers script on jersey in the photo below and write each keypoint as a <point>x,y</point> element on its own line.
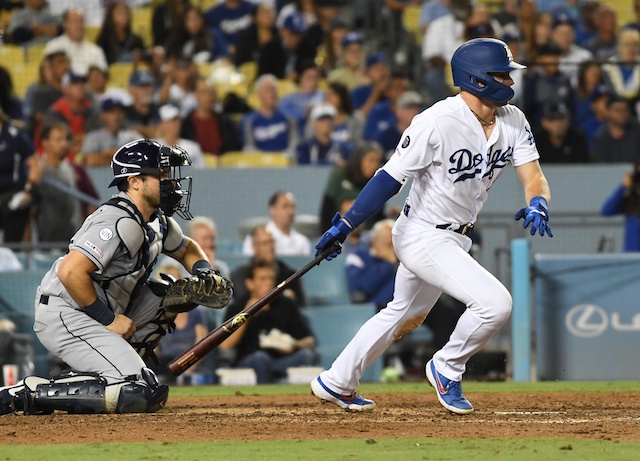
<point>453,164</point>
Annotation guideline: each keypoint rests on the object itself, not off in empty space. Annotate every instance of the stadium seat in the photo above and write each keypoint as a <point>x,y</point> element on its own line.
<point>210,160</point>
<point>141,23</point>
<point>11,55</point>
<point>249,71</point>
<point>91,33</point>
<point>35,53</point>
<point>254,160</point>
<point>411,22</point>
<point>119,73</point>
<point>327,284</point>
<point>23,75</point>
<point>333,328</point>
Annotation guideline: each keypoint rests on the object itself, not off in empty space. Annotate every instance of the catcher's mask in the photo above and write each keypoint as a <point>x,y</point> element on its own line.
<point>145,156</point>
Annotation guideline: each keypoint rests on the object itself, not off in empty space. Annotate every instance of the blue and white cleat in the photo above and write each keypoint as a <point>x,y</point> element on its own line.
<point>449,392</point>
<point>353,402</point>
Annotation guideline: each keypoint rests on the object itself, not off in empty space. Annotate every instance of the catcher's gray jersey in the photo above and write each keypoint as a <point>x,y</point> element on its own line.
<point>123,248</point>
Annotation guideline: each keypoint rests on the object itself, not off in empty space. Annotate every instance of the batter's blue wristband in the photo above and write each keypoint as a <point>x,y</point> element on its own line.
<point>200,265</point>
<point>100,312</point>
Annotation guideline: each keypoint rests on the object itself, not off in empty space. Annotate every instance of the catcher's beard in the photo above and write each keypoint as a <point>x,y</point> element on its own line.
<point>152,197</point>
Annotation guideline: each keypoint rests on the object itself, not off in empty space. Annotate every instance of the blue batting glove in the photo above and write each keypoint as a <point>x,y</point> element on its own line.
<point>537,214</point>
<point>336,233</point>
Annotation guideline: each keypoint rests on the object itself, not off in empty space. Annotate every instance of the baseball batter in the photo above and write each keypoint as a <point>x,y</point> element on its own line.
<point>454,151</point>
<point>97,309</point>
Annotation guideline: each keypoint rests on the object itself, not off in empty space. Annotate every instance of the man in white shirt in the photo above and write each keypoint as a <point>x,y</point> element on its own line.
<point>82,53</point>
<point>169,134</point>
<point>563,35</point>
<point>288,241</point>
<point>442,38</point>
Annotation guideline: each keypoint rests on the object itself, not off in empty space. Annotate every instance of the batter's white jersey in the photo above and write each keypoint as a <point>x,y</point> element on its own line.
<point>451,161</point>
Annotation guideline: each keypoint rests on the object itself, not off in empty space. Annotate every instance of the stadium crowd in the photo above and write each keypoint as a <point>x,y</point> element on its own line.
<point>307,81</point>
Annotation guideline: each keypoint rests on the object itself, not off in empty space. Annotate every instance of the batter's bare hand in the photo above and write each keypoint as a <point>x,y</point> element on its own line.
<point>123,326</point>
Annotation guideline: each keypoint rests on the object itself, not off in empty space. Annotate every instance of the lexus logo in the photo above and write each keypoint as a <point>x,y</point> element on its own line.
<point>587,321</point>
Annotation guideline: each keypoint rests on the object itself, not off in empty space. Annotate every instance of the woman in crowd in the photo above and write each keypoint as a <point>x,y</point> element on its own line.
<point>345,183</point>
<point>191,38</point>
<point>116,38</point>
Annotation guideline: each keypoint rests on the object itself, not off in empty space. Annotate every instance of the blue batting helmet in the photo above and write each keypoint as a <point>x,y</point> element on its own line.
<point>475,60</point>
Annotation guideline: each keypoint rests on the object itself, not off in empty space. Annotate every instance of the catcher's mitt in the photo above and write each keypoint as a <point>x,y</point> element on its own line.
<point>207,288</point>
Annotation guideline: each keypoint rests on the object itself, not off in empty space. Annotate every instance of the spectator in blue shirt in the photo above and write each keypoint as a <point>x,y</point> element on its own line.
<point>382,115</point>
<point>626,200</point>
<point>298,104</point>
<point>364,97</point>
<point>408,106</point>
<point>231,17</point>
<point>371,268</point>
<point>266,128</point>
<point>320,149</point>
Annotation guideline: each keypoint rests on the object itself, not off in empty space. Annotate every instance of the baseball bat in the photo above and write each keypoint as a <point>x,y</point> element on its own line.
<point>196,352</point>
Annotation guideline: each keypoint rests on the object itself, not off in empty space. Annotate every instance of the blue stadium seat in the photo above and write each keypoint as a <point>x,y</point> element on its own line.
<point>327,284</point>
<point>334,326</point>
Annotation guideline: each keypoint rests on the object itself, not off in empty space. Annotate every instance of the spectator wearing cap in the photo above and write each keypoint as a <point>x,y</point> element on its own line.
<point>261,43</point>
<point>589,77</point>
<point>546,83</point>
<point>563,34</point>
<point>618,141</point>
<point>622,72</point>
<point>75,109</point>
<point>214,132</point>
<point>305,8</point>
<point>231,18</point>
<point>266,128</point>
<point>169,134</point>
<point>142,114</point>
<point>291,33</point>
<point>81,52</point>
<point>320,149</point>
<point>298,104</point>
<point>365,96</point>
<point>603,44</point>
<point>557,140</point>
<point>408,106</point>
<point>100,145</point>
<point>383,115</point>
<point>351,72</point>
<point>33,24</point>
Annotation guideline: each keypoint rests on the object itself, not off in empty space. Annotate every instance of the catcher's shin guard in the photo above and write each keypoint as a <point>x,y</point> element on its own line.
<point>85,393</point>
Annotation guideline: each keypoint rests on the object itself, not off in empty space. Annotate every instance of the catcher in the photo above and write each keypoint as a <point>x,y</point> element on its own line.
<point>97,309</point>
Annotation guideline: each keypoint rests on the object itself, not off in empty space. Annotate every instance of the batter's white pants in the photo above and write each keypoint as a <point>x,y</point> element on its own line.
<point>432,261</point>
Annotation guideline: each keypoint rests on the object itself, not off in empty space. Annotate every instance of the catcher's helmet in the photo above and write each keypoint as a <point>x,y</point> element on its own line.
<point>474,60</point>
<point>145,156</point>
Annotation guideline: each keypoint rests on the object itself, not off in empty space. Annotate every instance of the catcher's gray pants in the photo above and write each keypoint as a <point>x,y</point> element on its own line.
<point>85,344</point>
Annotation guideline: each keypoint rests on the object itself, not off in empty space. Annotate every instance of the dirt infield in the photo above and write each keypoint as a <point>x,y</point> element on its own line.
<point>593,415</point>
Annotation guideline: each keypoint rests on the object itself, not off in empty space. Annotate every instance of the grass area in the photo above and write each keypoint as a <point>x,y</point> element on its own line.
<point>351,450</point>
<point>400,388</point>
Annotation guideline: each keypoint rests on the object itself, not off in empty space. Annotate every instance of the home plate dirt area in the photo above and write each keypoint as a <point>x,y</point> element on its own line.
<point>590,415</point>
